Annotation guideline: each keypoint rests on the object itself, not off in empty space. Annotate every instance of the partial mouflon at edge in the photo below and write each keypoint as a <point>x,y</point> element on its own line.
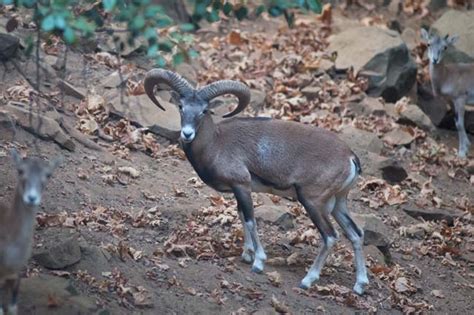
<point>452,81</point>
<point>17,226</point>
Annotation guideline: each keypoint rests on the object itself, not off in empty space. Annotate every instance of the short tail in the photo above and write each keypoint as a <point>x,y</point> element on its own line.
<point>356,160</point>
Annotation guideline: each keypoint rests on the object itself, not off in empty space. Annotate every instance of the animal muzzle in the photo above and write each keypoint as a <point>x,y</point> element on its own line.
<point>187,134</point>
<point>32,197</point>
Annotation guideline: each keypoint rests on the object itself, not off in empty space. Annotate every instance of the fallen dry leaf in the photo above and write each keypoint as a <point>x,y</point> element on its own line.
<point>275,278</point>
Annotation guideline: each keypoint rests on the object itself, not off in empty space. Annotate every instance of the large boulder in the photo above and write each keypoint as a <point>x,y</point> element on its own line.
<point>8,46</point>
<point>141,110</point>
<point>378,54</point>
<point>459,23</point>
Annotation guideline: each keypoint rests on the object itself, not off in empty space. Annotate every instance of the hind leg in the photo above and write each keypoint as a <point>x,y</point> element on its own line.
<point>356,236</point>
<point>245,205</point>
<point>318,210</point>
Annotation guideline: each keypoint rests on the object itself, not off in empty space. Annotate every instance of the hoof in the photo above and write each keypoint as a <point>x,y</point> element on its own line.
<point>257,269</point>
<point>304,286</point>
<point>359,287</point>
<point>247,258</point>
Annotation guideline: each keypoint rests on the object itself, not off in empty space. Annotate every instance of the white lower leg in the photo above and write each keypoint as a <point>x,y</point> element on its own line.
<point>462,135</point>
<point>248,250</point>
<point>260,255</point>
<point>361,270</point>
<point>315,269</point>
<point>12,310</point>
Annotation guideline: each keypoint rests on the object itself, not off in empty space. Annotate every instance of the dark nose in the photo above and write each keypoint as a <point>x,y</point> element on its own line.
<point>32,199</point>
<point>187,134</point>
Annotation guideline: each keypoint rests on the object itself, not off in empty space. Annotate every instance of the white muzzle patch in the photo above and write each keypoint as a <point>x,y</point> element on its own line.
<point>188,133</point>
<point>32,197</point>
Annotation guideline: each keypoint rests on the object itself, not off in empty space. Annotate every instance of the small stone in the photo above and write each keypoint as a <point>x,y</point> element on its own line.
<point>413,115</point>
<point>373,106</point>
<point>311,92</point>
<point>398,137</point>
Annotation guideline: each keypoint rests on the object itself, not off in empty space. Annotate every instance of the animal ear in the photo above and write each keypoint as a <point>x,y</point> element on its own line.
<point>16,157</point>
<point>425,35</point>
<point>451,40</point>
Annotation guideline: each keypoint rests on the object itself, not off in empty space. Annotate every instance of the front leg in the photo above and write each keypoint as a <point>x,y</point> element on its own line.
<point>249,251</point>
<point>245,205</point>
<point>463,139</point>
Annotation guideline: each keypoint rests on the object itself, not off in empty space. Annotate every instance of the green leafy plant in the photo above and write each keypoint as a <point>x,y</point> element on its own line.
<point>73,20</point>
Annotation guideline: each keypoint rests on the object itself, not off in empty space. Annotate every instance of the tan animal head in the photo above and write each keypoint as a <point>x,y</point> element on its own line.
<point>437,45</point>
<point>33,173</point>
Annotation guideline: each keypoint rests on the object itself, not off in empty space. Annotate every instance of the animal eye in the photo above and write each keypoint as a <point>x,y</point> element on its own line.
<point>21,172</point>
<point>428,45</point>
<point>445,48</point>
<point>205,111</point>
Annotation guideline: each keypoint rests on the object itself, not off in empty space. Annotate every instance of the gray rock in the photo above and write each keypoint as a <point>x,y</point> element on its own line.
<point>368,106</point>
<point>361,141</point>
<point>413,115</point>
<point>8,46</point>
<point>460,23</point>
<point>381,56</point>
<point>375,231</point>
<point>375,253</point>
<point>311,92</point>
<point>60,256</point>
<point>275,214</point>
<point>71,90</point>
<point>398,137</point>
<point>113,80</point>
<point>410,37</point>
<point>433,214</point>
<point>50,129</point>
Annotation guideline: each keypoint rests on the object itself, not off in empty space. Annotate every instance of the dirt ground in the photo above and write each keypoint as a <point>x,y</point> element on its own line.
<point>164,243</point>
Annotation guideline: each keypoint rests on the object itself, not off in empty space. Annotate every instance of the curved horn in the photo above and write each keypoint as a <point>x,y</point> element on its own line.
<point>172,79</point>
<point>222,87</point>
